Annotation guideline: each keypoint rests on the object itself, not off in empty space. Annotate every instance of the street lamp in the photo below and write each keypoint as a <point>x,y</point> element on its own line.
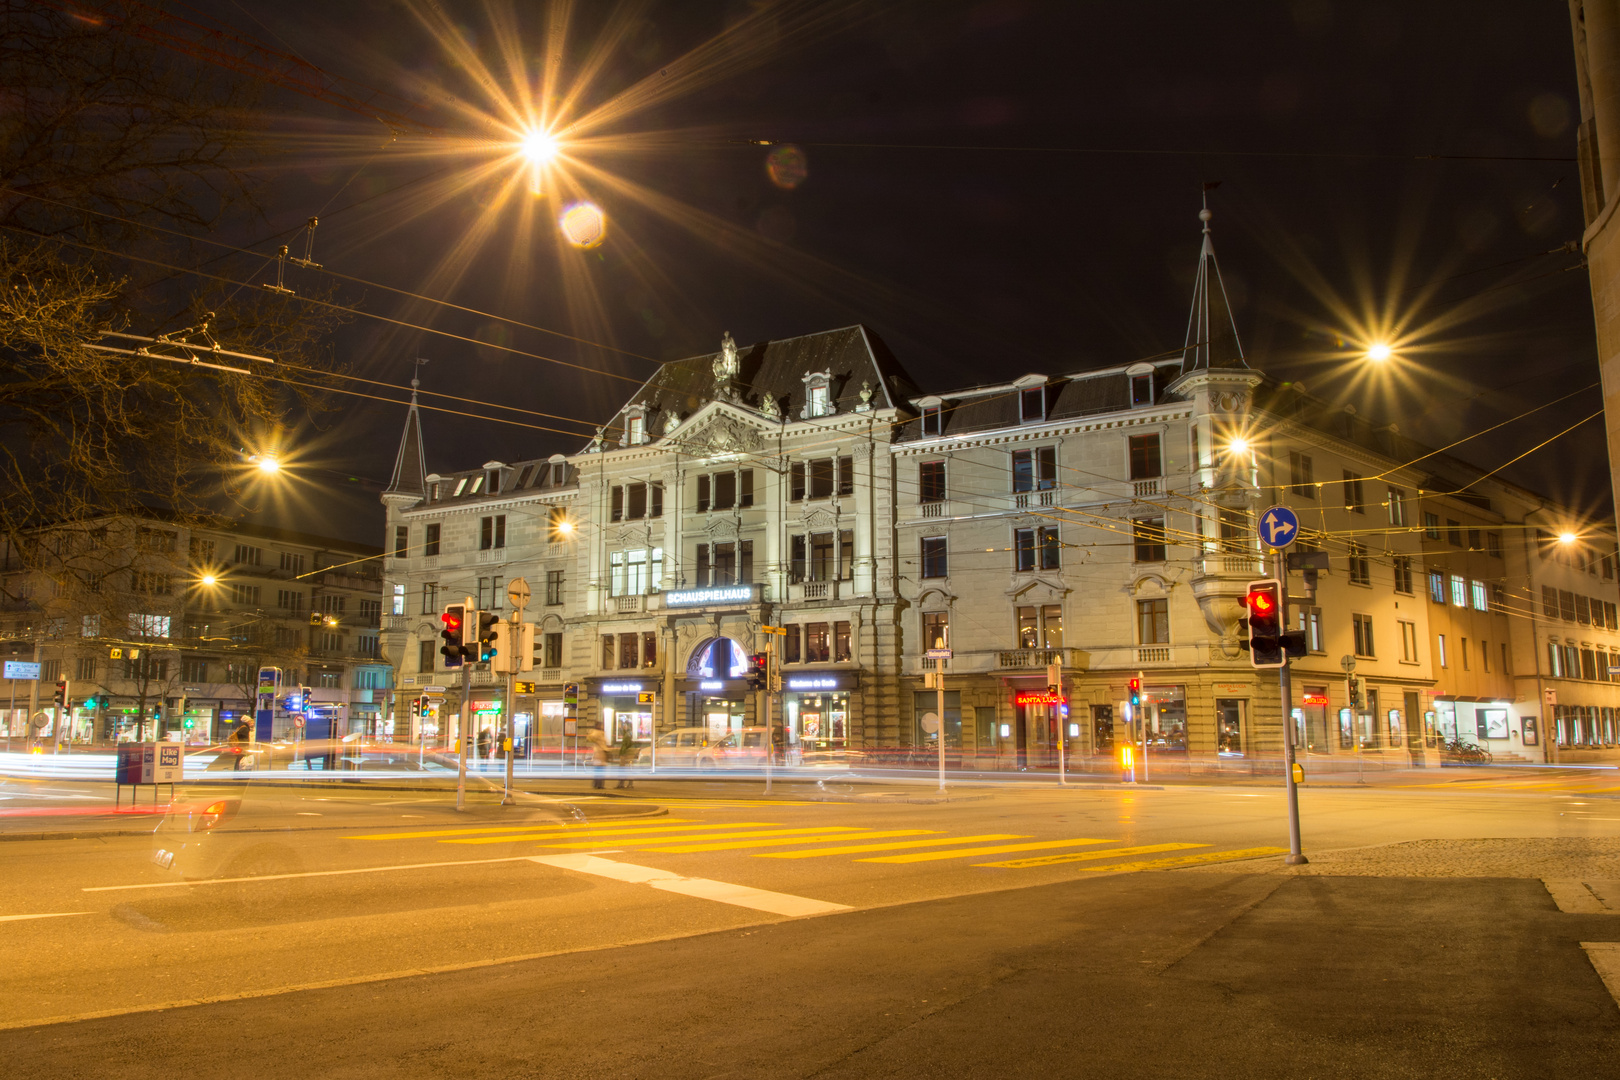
<point>1379,351</point>
<point>1238,445</point>
<point>1567,538</point>
<point>538,146</point>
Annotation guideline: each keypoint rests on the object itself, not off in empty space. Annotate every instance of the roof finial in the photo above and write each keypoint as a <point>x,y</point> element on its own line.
<point>416,374</point>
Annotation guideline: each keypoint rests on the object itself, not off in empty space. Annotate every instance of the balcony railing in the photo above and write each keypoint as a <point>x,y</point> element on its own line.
<point>1153,654</point>
<point>820,590</point>
<point>1022,499</point>
<point>1144,488</point>
<point>1029,658</point>
<point>627,605</point>
<point>1232,564</point>
<point>933,509</point>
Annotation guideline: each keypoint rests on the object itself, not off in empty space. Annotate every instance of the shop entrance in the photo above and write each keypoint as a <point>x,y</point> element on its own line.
<point>1102,728</point>
<point>719,716</point>
<point>1229,725</point>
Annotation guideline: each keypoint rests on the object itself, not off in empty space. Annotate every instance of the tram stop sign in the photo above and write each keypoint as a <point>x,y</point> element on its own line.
<point>1279,527</point>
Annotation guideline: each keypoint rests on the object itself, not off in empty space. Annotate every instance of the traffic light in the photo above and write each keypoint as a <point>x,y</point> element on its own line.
<point>1136,694</point>
<point>758,671</point>
<point>1264,601</point>
<point>1054,681</point>
<point>61,693</point>
<point>452,651</point>
<point>1355,692</point>
<point>489,636</point>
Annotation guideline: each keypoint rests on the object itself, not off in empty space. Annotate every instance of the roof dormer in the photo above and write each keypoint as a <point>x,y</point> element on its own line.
<point>818,400</point>
<point>1032,399</point>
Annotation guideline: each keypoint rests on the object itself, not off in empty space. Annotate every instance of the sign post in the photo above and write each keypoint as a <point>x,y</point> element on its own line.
<point>765,698</point>
<point>939,656</point>
<point>464,715</point>
<point>1279,528</point>
<point>517,591</point>
<point>18,669</point>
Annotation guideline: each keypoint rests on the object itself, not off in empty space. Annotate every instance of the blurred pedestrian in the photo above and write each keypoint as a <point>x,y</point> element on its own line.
<point>627,755</point>
<point>239,742</point>
<point>599,755</point>
<point>484,739</point>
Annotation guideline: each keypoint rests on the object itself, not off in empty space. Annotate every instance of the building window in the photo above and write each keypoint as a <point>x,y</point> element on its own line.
<point>1440,648</point>
<point>489,593</point>
<point>289,600</point>
<point>1352,493</point>
<point>821,478</point>
<point>398,606</point>
<point>822,566</point>
<point>795,482</point>
<point>1040,627</point>
<point>1147,540</point>
<point>84,669</point>
<point>1236,536</point>
<point>1300,480</point>
<point>430,544</point>
<point>1141,390</point>
<point>790,645</point>
<point>936,630</point>
<point>1360,565</point>
<point>840,641</point>
<point>635,500</point>
<point>1397,506</point>
<point>245,595</point>
<point>649,648</point>
<point>1408,642</point>
<point>1506,670</point>
<point>1454,533</point>
<point>1493,548</point>
<point>557,524</point>
<point>1499,599</point>
<point>202,551</point>
<point>1363,626</point>
<point>1153,622</point>
<point>931,482</point>
<point>1459,592</point>
<point>1463,652</point>
<point>933,421</point>
<point>292,563</point>
<point>820,400</point>
<point>492,532</point>
<point>424,655</point>
<point>608,652</point>
<point>1485,655</point>
<point>1403,574</point>
<point>629,651</point>
<point>430,598</point>
<point>1035,547</point>
<point>1146,460</point>
<point>1431,526</point>
<point>1032,405</point>
<point>1479,595</point>
<point>632,573</point>
<point>846,555</point>
<point>1034,470</point>
<point>553,651</point>
<point>634,428</point>
<point>554,588</point>
<point>1310,624</point>
<point>933,557</point>
<point>248,556</point>
<point>817,643</point>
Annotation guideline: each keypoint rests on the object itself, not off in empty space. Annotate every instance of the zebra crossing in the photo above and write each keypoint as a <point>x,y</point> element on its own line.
<point>776,840</point>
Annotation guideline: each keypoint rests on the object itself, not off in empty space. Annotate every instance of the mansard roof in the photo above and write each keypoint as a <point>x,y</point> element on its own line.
<point>852,355</point>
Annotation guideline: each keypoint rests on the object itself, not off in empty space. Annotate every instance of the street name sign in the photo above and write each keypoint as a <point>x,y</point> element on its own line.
<point>938,654</point>
<point>21,669</point>
<point>1279,527</point>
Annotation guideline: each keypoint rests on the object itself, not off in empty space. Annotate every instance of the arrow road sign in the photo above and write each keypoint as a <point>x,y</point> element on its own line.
<point>1279,527</point>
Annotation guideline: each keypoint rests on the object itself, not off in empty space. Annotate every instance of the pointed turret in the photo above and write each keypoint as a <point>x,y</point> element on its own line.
<point>1212,337</point>
<point>409,482</point>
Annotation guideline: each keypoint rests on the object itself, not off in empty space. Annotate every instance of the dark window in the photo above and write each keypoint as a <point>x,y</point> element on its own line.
<point>636,498</point>
<point>1146,461</point>
<point>797,559</point>
<point>1153,622</point>
<point>1549,601</point>
<point>1583,610</point>
<point>629,650</point>
<point>1141,390</point>
<point>796,482</point>
<point>746,497</point>
<point>932,420</point>
<point>1403,573</point>
<point>840,641</point>
<point>725,490</point>
<point>933,556</point>
<point>523,475</point>
<point>1566,605</point>
<point>1454,533</point>
<point>1034,547</point>
<point>657,501</point>
<point>816,643</point>
<point>1360,565</point>
<point>1023,549</point>
<point>1493,547</point>
<point>1431,526</point>
<point>1147,538</point>
<point>821,478</point>
<point>1364,635</point>
<point>846,476</point>
<point>1473,540</point>
<point>1046,541</point>
<point>725,564</point>
<point>702,494</point>
<point>649,648</point>
<point>554,588</point>
<point>492,486</point>
<point>846,555</point>
<point>424,655</point>
<point>821,556</point>
<point>745,562</point>
<point>402,541</point>
<point>1035,470</point>
<point>702,565</point>
<point>1032,404</point>
<point>1352,493</point>
<point>931,482</point>
<point>431,545</point>
<point>790,647</point>
<point>553,655</point>
<point>616,513</point>
<point>1299,468</point>
<point>1235,532</point>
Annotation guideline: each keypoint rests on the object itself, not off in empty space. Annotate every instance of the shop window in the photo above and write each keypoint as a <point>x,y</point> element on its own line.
<point>931,482</point>
<point>925,702</point>
<point>1299,474</point>
<point>1352,493</point>
<point>1146,461</point>
<point>1034,470</point>
<point>1147,540</point>
<point>553,651</point>
<point>936,630</point>
<point>933,557</point>
<point>649,648</point>
<point>1153,622</point>
<point>790,645</point>
<point>817,643</point>
<point>840,641</point>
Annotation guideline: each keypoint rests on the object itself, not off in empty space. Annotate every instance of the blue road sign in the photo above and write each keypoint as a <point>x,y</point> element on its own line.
<point>1279,527</point>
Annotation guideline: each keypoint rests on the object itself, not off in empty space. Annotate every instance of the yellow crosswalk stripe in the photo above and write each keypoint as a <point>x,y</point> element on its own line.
<point>858,848</point>
<point>519,828</point>
<point>1088,856</point>
<point>784,840</point>
<point>963,853</point>
<point>608,834</point>
<point>841,831</point>
<point>1188,860</point>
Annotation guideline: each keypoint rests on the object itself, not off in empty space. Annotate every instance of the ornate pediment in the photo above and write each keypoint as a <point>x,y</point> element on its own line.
<point>820,518</point>
<point>1038,590</point>
<point>719,435</point>
<point>721,528</point>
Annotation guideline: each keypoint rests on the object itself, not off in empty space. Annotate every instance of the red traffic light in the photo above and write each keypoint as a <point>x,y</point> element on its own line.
<point>1262,602</point>
<point>451,621</point>
<point>1136,685</point>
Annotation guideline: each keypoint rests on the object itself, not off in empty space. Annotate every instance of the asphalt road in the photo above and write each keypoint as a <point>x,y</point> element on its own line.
<point>685,931</point>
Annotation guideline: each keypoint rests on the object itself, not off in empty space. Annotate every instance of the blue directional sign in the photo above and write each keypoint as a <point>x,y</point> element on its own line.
<point>1279,527</point>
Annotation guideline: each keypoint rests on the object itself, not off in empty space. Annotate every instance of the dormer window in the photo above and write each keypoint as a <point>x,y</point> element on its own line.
<point>635,425</point>
<point>1032,405</point>
<point>817,395</point>
<point>1141,390</point>
<point>523,475</point>
<point>933,420</point>
<point>492,482</point>
<point>461,486</point>
<point>477,485</point>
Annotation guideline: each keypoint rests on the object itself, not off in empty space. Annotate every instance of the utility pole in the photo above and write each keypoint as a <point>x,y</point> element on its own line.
<point>517,591</point>
<point>465,714</point>
<point>1285,686</point>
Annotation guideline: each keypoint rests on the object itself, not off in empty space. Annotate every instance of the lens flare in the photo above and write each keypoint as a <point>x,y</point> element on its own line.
<point>1378,351</point>
<point>268,464</point>
<point>539,146</point>
<point>583,224</point>
<point>1239,445</point>
<point>787,166</point>
<point>1566,538</point>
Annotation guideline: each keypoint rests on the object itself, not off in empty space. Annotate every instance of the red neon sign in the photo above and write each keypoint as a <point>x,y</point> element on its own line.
<point>1314,699</point>
<point>1037,697</point>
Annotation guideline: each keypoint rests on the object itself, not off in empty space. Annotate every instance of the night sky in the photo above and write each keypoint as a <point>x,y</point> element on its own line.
<point>996,188</point>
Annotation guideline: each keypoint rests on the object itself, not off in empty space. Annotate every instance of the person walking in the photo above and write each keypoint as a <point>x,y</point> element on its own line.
<point>627,755</point>
<point>239,743</point>
<point>599,755</point>
<point>484,739</point>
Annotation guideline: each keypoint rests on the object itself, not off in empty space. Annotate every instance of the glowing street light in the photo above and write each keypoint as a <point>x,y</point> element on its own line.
<point>209,579</point>
<point>538,146</point>
<point>565,526</point>
<point>1239,445</point>
<point>1567,538</point>
<point>1379,351</point>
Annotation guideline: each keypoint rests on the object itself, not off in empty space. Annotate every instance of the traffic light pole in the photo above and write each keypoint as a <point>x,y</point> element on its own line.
<point>1296,857</point>
<point>463,717</point>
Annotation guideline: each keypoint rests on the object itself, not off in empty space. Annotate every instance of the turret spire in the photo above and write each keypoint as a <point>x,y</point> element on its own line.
<point>410,467</point>
<point>1212,337</point>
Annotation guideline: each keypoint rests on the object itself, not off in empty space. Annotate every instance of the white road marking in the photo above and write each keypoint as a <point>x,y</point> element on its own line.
<point>1572,896</point>
<point>701,888</point>
<point>304,874</point>
<point>1605,957</point>
<point>51,915</point>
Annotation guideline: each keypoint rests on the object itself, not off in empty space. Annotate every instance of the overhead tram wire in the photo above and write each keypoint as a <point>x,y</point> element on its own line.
<point>1343,155</point>
<point>250,253</point>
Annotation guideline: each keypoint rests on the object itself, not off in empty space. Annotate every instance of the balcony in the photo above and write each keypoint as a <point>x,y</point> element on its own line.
<point>1029,658</point>
<point>1143,489</point>
<point>1024,499</point>
<point>814,591</point>
<point>625,605</point>
<point>932,509</point>
<point>1232,564</point>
